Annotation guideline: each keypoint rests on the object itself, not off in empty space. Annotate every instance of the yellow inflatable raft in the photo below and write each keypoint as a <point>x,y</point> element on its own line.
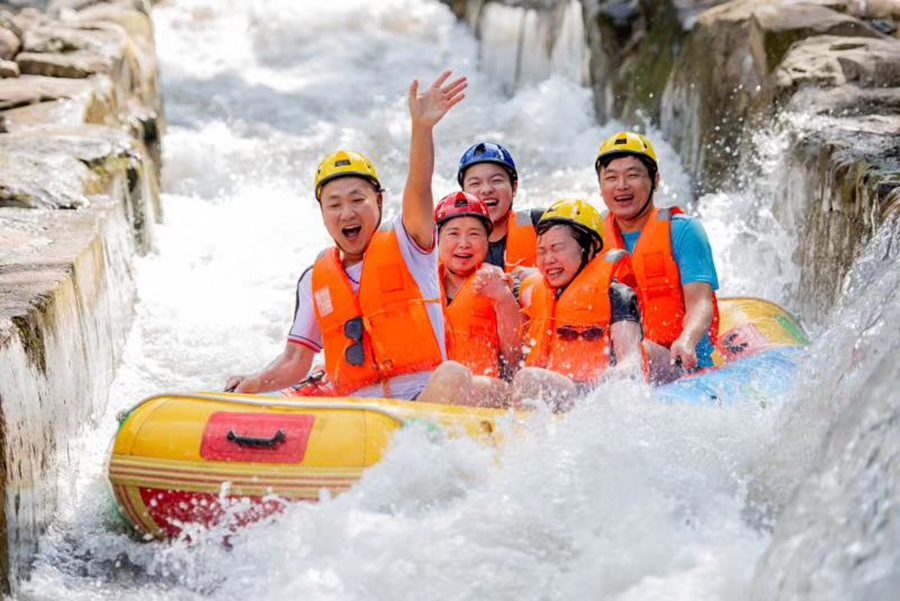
<point>178,458</point>
<point>184,458</point>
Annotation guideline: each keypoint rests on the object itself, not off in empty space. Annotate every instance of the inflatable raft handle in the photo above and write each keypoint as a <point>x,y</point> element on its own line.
<point>257,443</point>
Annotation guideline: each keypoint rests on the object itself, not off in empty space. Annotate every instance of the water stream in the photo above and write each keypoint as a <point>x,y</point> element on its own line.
<point>628,499</point>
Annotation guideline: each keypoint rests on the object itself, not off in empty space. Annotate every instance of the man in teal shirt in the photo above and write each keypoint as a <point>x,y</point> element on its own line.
<point>671,254</point>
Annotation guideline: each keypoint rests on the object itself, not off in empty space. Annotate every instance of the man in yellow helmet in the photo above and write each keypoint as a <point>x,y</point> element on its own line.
<point>671,255</point>
<point>372,301</point>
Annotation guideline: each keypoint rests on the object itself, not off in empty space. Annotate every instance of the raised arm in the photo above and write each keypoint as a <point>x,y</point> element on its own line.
<point>425,110</point>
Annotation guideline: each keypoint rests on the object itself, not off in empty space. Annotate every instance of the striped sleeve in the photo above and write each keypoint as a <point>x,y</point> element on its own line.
<point>305,329</point>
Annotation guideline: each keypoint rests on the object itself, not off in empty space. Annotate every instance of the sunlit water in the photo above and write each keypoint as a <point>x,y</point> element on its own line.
<point>626,499</point>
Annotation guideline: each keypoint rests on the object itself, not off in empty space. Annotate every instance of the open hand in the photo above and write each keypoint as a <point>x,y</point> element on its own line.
<point>430,106</point>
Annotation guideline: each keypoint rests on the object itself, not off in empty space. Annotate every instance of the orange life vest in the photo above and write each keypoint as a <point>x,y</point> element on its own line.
<point>472,335</point>
<point>398,337</point>
<point>521,241</point>
<point>583,305</point>
<point>658,277</point>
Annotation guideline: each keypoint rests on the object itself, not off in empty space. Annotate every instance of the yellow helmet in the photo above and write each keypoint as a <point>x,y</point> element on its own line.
<point>627,143</point>
<point>344,163</point>
<point>576,212</point>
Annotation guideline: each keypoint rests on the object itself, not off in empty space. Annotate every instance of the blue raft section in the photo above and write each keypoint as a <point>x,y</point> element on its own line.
<point>758,349</point>
<point>766,377</point>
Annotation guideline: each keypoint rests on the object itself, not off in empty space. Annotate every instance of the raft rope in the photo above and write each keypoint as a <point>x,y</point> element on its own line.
<point>121,416</point>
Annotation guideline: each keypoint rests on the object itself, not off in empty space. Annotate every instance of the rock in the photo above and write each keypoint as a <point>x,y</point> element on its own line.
<point>55,112</point>
<point>148,125</point>
<point>134,22</point>
<point>7,21</point>
<point>841,97</point>
<point>876,9</point>
<point>829,61</point>
<point>58,7</point>
<point>72,65</point>
<point>9,69</point>
<point>29,90</point>
<point>114,39</point>
<point>33,89</point>
<point>119,166</point>
<point>690,10</point>
<point>847,170</point>
<point>38,181</point>
<point>26,18</point>
<point>9,43</point>
<point>783,24</point>
<point>71,51</point>
<point>845,101</point>
<point>59,37</point>
<point>140,53</point>
<point>720,78</point>
<point>93,145</point>
<point>633,46</point>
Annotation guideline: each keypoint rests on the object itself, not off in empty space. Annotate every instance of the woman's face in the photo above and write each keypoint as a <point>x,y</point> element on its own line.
<point>559,256</point>
<point>463,245</point>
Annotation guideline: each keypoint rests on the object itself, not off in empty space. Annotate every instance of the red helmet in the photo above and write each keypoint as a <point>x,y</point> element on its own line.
<point>462,204</point>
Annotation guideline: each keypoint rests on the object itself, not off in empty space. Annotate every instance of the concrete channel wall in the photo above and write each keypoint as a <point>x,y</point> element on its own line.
<point>81,122</point>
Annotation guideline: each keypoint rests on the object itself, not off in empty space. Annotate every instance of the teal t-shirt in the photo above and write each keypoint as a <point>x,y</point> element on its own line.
<point>693,254</point>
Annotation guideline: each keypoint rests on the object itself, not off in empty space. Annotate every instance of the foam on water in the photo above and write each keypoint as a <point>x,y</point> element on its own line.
<point>625,499</point>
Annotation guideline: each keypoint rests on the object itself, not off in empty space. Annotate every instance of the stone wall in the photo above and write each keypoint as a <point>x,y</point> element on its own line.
<point>711,73</point>
<point>80,129</point>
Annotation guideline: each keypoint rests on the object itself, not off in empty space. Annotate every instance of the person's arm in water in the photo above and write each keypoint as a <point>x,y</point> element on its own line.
<point>494,284</point>
<point>290,367</point>
<point>698,316</point>
<point>425,110</point>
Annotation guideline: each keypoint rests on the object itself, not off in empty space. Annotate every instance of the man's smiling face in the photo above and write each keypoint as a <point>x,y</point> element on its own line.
<point>351,210</point>
<point>626,187</point>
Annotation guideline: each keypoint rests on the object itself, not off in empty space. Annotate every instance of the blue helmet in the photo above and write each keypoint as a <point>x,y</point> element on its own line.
<point>487,152</point>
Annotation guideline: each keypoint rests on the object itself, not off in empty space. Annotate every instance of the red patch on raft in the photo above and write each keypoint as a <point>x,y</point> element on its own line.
<point>256,437</point>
